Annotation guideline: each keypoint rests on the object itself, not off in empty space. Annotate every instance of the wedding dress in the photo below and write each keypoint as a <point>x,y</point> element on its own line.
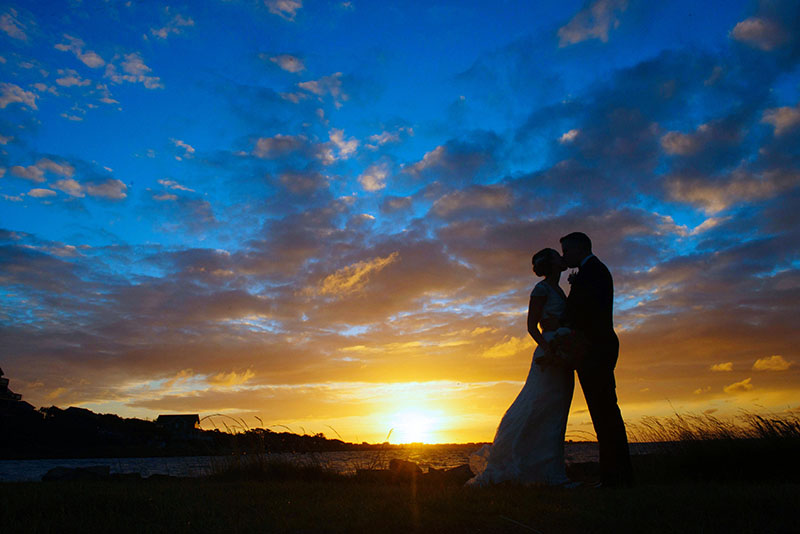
<point>528,446</point>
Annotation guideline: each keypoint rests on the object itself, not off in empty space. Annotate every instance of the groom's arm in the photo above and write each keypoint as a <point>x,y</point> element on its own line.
<point>585,301</point>
<point>597,297</point>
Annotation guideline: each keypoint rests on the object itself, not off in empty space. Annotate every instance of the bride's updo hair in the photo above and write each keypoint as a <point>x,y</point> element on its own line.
<point>542,261</point>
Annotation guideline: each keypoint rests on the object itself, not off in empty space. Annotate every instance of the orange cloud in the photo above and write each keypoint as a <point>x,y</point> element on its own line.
<point>354,277</point>
<point>727,366</point>
<point>739,387</point>
<point>509,347</point>
<point>773,363</point>
<point>231,379</point>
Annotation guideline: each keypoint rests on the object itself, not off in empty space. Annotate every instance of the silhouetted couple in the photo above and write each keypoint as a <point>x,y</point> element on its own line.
<point>573,333</point>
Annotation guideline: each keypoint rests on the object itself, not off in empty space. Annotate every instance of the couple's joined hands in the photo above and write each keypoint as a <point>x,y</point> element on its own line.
<point>550,323</point>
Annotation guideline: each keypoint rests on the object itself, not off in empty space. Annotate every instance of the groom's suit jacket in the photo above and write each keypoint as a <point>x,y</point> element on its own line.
<point>589,310</point>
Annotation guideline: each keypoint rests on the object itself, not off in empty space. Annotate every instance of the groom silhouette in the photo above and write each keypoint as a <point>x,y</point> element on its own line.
<point>589,310</point>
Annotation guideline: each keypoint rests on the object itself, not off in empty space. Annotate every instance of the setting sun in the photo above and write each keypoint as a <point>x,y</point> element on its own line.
<point>413,426</point>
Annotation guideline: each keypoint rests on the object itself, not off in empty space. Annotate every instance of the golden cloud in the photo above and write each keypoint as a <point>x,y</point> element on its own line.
<point>354,277</point>
<point>739,387</point>
<point>231,379</point>
<point>727,366</point>
<point>182,376</point>
<point>510,347</point>
<point>773,363</point>
<point>56,393</point>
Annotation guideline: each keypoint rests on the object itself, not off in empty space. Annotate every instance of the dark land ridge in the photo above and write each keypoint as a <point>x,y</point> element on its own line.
<point>28,433</point>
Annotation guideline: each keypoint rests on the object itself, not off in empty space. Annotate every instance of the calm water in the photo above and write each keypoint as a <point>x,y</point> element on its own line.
<point>345,462</point>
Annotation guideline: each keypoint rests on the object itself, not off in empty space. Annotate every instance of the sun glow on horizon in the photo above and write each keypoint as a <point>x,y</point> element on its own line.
<point>415,426</point>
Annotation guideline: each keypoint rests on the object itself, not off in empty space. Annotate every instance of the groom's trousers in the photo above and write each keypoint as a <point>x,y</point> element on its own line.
<point>599,388</point>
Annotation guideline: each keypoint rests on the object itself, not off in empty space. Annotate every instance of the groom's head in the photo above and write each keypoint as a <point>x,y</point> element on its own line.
<point>575,247</point>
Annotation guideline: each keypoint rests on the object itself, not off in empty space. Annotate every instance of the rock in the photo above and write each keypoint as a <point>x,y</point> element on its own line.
<point>454,476</point>
<point>404,467</point>
<point>93,472</point>
<point>458,475</point>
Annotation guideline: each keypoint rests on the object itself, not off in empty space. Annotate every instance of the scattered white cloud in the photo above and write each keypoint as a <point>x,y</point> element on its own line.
<point>383,138</point>
<point>70,187</point>
<point>164,197</point>
<point>327,85</point>
<point>61,169</point>
<point>347,147</point>
<point>374,177</point>
<point>295,98</point>
<point>172,184</point>
<point>70,78</point>
<point>5,139</point>
<point>278,145</point>
<point>10,94</point>
<point>44,88</point>
<point>105,94</point>
<point>686,144</point>
<point>174,27</point>
<point>134,71</point>
<point>302,181</point>
<point>386,137</point>
<point>288,63</point>
<point>12,26</point>
<point>64,251</point>
<point>722,367</point>
<point>73,44</point>
<point>13,198</point>
<point>771,363</point>
<point>430,159</point>
<point>592,22</point>
<point>715,196</point>
<point>286,9</point>
<point>32,173</point>
<point>72,117</point>
<point>708,224</point>
<point>568,137</point>
<point>480,197</point>
<point>784,119</point>
<point>111,188</point>
<point>765,34</point>
<point>188,150</point>
<point>41,193</point>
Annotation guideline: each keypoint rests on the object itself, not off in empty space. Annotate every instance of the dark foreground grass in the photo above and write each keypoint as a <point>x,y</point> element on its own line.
<point>347,505</point>
<point>709,476</point>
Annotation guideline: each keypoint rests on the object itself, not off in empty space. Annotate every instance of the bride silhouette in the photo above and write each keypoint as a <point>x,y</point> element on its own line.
<point>529,444</point>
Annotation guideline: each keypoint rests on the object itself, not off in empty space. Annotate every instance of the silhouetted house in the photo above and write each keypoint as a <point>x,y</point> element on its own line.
<point>179,424</point>
<point>5,393</point>
<point>11,404</point>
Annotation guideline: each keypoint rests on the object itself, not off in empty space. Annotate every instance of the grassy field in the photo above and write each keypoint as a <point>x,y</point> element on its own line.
<point>350,506</point>
<point>712,477</point>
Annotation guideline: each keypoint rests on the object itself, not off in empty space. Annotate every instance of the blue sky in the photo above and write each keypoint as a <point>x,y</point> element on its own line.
<point>288,208</point>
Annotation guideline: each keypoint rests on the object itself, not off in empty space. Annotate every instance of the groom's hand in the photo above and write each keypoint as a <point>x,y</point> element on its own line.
<point>549,324</point>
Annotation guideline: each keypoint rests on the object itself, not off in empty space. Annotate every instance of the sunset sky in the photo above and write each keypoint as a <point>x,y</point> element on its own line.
<point>322,214</point>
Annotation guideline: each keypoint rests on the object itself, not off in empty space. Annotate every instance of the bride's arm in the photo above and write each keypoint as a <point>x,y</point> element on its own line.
<point>535,308</point>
